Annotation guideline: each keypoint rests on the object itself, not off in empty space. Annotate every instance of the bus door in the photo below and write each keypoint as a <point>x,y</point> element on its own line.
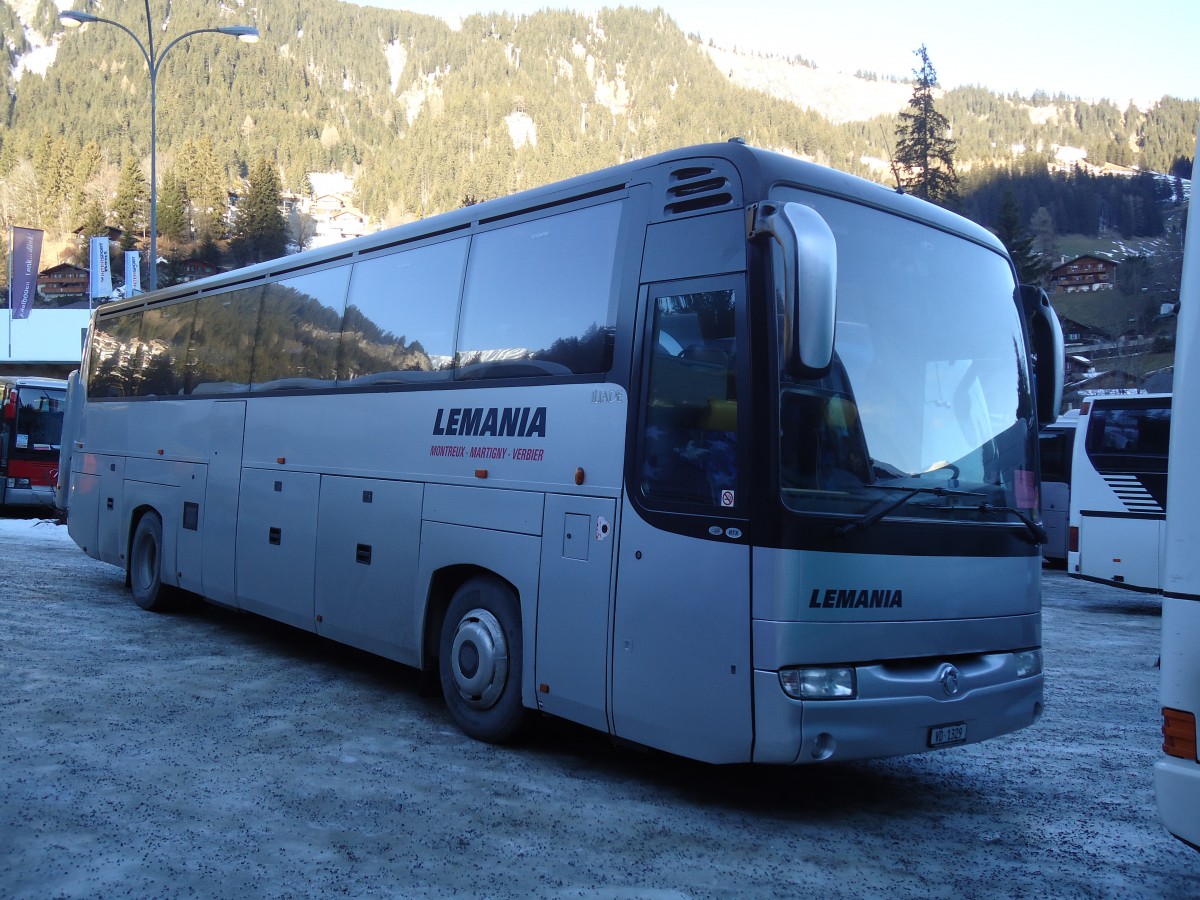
<point>227,422</point>
<point>574,608</point>
<point>681,638</point>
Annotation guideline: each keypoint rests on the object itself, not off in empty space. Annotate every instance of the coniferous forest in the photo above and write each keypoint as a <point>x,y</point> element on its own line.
<point>427,118</point>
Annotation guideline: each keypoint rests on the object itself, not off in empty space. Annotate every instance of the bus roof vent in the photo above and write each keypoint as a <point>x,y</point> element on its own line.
<point>696,188</point>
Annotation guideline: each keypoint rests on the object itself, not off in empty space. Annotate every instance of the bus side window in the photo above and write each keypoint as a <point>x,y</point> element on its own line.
<point>689,446</point>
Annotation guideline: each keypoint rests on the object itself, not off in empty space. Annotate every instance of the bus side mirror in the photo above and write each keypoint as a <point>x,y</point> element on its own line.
<point>1046,344</point>
<point>805,250</point>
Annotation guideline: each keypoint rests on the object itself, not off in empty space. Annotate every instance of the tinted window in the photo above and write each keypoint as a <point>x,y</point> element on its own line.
<point>537,299</point>
<point>166,332</point>
<point>39,419</point>
<point>401,313</point>
<point>299,326</point>
<point>1116,433</point>
<point>113,356</point>
<point>222,344</point>
<point>1054,447</point>
<point>689,446</point>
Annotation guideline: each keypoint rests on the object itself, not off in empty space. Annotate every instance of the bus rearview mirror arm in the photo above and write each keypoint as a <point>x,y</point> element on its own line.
<point>806,252</point>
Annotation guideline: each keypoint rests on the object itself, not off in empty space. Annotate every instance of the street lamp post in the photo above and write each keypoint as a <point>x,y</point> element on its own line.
<point>74,19</point>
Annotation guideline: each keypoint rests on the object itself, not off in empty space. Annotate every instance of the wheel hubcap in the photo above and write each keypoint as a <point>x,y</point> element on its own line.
<point>479,658</point>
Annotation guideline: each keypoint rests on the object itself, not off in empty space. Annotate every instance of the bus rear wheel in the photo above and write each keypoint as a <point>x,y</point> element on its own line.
<point>145,565</point>
<point>479,661</point>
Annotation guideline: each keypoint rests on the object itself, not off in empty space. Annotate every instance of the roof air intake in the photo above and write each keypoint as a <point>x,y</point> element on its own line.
<point>695,189</point>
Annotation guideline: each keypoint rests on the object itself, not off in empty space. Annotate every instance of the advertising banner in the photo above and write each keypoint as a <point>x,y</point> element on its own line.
<point>133,273</point>
<point>26,259</point>
<point>100,282</point>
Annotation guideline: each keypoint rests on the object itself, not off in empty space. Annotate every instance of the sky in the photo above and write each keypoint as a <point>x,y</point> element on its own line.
<point>1093,49</point>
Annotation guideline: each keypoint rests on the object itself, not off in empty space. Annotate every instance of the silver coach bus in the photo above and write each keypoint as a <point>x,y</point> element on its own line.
<point>718,452</point>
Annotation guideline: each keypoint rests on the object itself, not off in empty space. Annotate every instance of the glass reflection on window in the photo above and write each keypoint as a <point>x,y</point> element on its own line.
<point>114,355</point>
<point>930,385</point>
<point>39,418</point>
<point>166,331</point>
<point>299,325</point>
<point>689,444</point>
<point>538,299</point>
<point>222,345</point>
<point>1129,431</point>
<point>399,323</point>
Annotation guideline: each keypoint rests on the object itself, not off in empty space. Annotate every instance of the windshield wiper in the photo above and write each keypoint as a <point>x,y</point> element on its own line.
<point>1038,532</point>
<point>880,510</point>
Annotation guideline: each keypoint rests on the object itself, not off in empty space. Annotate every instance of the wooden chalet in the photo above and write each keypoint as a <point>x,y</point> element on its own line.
<point>63,280</point>
<point>1083,273</point>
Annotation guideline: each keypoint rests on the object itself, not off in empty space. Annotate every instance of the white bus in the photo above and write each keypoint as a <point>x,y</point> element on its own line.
<point>1119,490</point>
<point>718,452</point>
<point>1177,773</point>
<point>1056,447</point>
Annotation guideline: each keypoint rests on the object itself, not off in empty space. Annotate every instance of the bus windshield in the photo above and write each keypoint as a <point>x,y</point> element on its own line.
<point>929,389</point>
<point>38,420</point>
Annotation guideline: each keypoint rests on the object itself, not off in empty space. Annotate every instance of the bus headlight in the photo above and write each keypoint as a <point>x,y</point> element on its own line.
<point>1029,662</point>
<point>825,683</point>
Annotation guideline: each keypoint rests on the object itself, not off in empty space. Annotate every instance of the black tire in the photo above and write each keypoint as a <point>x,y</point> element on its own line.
<point>145,565</point>
<point>479,661</point>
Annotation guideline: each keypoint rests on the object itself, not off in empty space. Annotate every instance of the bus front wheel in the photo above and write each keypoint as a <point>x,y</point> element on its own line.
<point>145,564</point>
<point>479,661</point>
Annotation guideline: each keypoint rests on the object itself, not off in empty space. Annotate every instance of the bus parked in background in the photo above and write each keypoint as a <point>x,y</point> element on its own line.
<point>31,421</point>
<point>1177,773</point>
<point>1119,490</point>
<point>1056,445</point>
<point>719,452</point>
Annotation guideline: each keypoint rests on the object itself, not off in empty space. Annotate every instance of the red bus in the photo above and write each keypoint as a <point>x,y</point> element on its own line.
<point>30,434</point>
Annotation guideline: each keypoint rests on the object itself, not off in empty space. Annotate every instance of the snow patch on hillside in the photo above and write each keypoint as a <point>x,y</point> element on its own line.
<point>835,95</point>
<point>38,60</point>
<point>614,95</point>
<point>422,91</point>
<point>1042,115</point>
<point>1068,156</point>
<point>521,129</point>
<point>396,55</point>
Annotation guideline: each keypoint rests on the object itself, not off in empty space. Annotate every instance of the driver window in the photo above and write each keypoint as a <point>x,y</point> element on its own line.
<point>689,446</point>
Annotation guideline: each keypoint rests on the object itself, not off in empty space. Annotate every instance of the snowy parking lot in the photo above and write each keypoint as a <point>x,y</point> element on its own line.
<point>207,753</point>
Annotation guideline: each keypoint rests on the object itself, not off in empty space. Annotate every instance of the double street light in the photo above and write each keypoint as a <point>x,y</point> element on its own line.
<point>247,33</point>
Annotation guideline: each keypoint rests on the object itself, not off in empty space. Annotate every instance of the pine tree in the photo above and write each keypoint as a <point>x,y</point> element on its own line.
<point>87,166</point>
<point>1018,241</point>
<point>924,148</point>
<point>51,170</point>
<point>205,187</point>
<point>209,251</point>
<point>172,215</point>
<point>1045,237</point>
<point>94,225</point>
<point>260,231</point>
<point>132,193</point>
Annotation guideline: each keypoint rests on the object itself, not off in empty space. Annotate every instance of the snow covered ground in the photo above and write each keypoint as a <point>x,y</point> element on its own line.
<point>206,753</point>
